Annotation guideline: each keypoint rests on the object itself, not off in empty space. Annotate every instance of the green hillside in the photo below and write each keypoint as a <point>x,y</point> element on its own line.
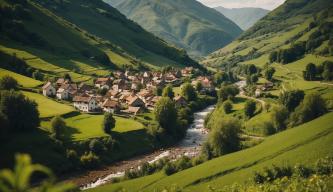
<point>296,22</point>
<point>82,38</point>
<point>185,23</point>
<point>303,145</point>
<point>243,17</point>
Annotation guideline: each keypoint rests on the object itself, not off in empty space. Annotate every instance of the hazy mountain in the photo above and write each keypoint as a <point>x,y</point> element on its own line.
<point>185,23</point>
<point>243,17</point>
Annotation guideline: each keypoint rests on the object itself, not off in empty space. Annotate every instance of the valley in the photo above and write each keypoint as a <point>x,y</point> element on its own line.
<point>165,96</point>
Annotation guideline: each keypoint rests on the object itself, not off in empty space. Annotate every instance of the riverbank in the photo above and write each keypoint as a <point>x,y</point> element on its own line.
<point>189,146</point>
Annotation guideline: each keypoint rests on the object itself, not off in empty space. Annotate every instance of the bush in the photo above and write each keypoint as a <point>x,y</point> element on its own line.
<point>250,108</point>
<point>279,117</point>
<point>97,146</point>
<point>324,166</point>
<point>8,83</point>
<point>108,123</point>
<point>58,127</point>
<point>302,171</point>
<point>227,107</point>
<point>268,128</point>
<point>312,107</point>
<point>183,163</point>
<point>90,160</point>
<point>227,92</point>
<point>169,169</point>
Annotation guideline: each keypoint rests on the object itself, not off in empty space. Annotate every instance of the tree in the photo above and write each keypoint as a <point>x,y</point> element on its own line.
<point>7,83</point>
<point>250,108</point>
<point>224,137</point>
<point>166,114</point>
<point>168,92</point>
<point>313,106</point>
<point>220,77</point>
<point>67,77</point>
<point>291,99</point>
<point>279,117</point>
<point>108,123</point>
<point>251,69</point>
<point>254,78</point>
<point>21,113</point>
<point>310,72</point>
<point>38,75</point>
<point>96,146</point>
<point>227,92</point>
<point>327,72</point>
<point>227,107</point>
<point>58,126</point>
<point>188,92</point>
<point>269,73</point>
<point>198,86</point>
<point>19,178</point>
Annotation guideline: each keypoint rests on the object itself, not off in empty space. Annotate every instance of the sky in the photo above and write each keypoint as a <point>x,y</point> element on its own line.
<point>266,4</point>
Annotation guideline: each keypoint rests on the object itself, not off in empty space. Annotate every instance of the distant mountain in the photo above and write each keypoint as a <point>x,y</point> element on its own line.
<point>243,17</point>
<point>185,23</point>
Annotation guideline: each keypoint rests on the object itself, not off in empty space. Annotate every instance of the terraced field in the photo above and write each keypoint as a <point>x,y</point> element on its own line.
<point>22,80</point>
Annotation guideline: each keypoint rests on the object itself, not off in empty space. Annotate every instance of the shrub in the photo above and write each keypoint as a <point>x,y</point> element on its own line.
<point>183,163</point>
<point>268,128</point>
<point>324,166</point>
<point>302,171</point>
<point>90,160</point>
<point>250,108</point>
<point>227,107</point>
<point>279,117</point>
<point>96,146</point>
<point>169,169</point>
<point>58,127</point>
<point>8,83</point>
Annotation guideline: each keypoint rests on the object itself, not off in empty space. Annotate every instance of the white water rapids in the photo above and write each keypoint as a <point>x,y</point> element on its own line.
<point>190,146</point>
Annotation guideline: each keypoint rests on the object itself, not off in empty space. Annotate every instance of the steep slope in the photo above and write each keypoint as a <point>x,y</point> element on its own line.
<point>300,145</point>
<point>296,22</point>
<point>243,17</point>
<point>185,23</point>
<point>80,37</point>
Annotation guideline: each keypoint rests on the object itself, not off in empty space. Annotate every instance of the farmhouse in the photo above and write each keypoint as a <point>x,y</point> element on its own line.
<point>180,101</point>
<point>134,101</point>
<point>111,106</point>
<point>103,83</point>
<point>134,110</point>
<point>66,91</point>
<point>49,90</point>
<point>85,103</point>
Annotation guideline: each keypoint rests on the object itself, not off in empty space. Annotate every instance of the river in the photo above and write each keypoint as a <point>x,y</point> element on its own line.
<point>189,146</point>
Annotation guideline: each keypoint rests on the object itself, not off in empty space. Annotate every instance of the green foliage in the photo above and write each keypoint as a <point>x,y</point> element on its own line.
<point>269,72</point>
<point>227,92</point>
<point>96,146</point>
<point>268,128</point>
<point>327,72</point>
<point>295,52</point>
<point>166,115</point>
<point>21,113</point>
<point>188,92</point>
<point>313,106</point>
<point>224,137</point>
<point>58,127</point>
<point>250,108</point>
<point>279,116</point>
<point>108,123</point>
<point>291,99</point>
<point>310,72</point>
<point>198,86</point>
<point>168,92</point>
<point>90,160</point>
<point>227,106</point>
<point>8,83</point>
<point>19,180</point>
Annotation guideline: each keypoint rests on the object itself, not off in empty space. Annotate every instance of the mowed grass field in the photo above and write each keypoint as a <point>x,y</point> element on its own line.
<point>303,144</point>
<point>87,126</point>
<point>47,107</point>
<point>22,80</point>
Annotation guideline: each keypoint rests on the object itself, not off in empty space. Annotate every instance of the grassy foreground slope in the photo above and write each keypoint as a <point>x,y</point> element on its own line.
<point>303,144</point>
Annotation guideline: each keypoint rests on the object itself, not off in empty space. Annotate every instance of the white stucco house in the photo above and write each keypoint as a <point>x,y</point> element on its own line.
<point>85,103</point>
<point>49,90</point>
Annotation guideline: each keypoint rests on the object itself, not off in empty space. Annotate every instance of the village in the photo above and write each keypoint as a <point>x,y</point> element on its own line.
<point>124,92</point>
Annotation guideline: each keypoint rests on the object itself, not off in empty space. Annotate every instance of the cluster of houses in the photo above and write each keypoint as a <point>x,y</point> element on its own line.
<point>126,92</point>
<point>262,88</point>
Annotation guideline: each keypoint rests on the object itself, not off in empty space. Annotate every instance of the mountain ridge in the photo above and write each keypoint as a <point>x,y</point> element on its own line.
<point>187,24</point>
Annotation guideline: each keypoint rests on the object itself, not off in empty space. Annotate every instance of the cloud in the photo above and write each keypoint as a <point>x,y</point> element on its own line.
<point>266,4</point>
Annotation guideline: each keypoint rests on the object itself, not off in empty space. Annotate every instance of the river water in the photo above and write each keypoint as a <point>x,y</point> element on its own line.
<point>189,146</point>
